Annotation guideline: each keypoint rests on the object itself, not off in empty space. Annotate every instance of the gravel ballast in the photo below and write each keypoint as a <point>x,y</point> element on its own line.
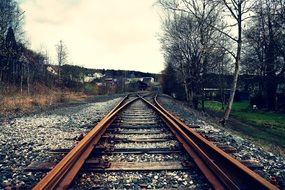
<point>142,180</point>
<point>134,163</point>
<point>25,140</point>
<point>272,166</point>
<point>145,157</point>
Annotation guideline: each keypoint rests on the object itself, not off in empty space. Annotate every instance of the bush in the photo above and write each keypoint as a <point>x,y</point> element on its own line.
<point>257,100</point>
<point>91,89</point>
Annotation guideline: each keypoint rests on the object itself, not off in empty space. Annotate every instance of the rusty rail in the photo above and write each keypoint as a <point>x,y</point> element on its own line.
<point>61,176</point>
<point>229,171</point>
<point>221,170</point>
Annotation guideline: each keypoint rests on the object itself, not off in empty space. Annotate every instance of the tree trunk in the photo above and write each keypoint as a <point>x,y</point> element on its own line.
<point>28,80</point>
<point>13,71</point>
<point>195,101</point>
<point>271,92</point>
<point>222,94</point>
<point>21,82</point>
<point>203,99</point>
<point>271,82</point>
<point>237,64</point>
<point>232,92</point>
<point>186,90</point>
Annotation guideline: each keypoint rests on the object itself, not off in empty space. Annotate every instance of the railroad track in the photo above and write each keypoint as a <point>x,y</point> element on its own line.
<point>141,145</point>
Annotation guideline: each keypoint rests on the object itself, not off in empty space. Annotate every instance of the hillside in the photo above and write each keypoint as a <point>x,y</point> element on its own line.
<point>46,87</point>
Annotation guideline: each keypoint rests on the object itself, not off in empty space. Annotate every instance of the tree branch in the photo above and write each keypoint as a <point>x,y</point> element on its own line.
<point>230,9</point>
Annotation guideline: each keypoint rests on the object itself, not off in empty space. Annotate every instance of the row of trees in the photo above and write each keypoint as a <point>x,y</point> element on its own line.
<point>20,66</point>
<point>10,51</point>
<point>265,48</point>
<point>222,36</point>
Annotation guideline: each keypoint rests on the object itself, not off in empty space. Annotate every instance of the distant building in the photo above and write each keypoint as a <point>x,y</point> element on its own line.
<point>147,80</point>
<point>92,77</point>
<point>110,81</point>
<point>132,80</point>
<point>88,79</point>
<point>98,75</point>
<point>52,69</point>
<point>99,84</point>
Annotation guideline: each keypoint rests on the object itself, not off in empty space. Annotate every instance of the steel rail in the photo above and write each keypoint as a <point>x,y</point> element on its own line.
<point>207,156</point>
<point>232,173</point>
<point>62,175</point>
<point>190,148</point>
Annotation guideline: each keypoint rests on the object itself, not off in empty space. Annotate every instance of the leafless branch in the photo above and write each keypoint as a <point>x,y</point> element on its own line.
<point>230,9</point>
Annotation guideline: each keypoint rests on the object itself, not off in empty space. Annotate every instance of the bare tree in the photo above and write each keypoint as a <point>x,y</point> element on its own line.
<point>11,20</point>
<point>238,10</point>
<point>189,41</point>
<point>11,16</point>
<point>233,13</point>
<point>61,51</point>
<point>265,53</point>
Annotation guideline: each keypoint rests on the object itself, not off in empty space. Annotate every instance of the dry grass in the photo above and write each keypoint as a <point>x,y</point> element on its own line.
<point>70,96</point>
<point>13,100</point>
<point>25,102</point>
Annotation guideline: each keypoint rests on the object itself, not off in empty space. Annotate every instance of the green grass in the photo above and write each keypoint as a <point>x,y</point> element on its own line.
<point>262,118</point>
<point>237,106</point>
<point>266,126</point>
<point>213,105</point>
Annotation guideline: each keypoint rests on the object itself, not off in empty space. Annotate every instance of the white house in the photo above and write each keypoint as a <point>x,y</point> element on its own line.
<point>52,70</point>
<point>148,80</point>
<point>98,75</point>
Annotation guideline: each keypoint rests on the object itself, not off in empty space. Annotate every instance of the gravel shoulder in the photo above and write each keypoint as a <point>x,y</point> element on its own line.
<point>245,129</point>
<point>7,116</point>
<point>273,165</point>
<point>25,139</point>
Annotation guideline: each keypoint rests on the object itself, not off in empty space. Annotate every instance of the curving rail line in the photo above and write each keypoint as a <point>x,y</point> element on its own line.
<point>221,170</point>
<point>61,176</point>
<point>232,173</point>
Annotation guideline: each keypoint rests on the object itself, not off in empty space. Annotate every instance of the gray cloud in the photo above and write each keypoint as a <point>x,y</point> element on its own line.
<point>99,34</point>
<point>46,21</point>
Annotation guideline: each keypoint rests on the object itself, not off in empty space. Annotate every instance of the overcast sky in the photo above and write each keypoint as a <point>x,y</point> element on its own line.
<point>111,34</point>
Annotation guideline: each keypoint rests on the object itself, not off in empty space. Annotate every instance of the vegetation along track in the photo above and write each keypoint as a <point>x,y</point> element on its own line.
<point>141,145</point>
